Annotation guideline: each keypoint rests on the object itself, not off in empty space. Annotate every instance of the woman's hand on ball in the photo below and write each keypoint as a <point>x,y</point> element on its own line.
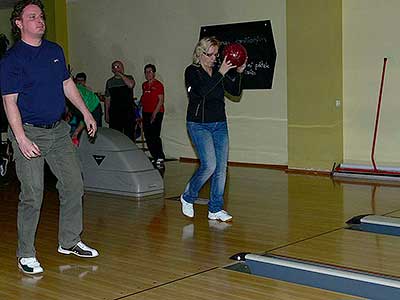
<point>242,67</point>
<point>226,66</point>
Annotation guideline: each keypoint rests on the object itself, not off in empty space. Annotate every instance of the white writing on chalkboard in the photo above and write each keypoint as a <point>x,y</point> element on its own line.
<point>248,40</point>
<point>258,39</point>
<point>252,67</point>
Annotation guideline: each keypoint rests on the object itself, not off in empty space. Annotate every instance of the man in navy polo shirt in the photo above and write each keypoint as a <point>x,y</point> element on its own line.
<point>33,83</point>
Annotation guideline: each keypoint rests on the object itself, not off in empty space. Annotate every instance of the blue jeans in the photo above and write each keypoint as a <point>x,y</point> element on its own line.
<point>211,143</point>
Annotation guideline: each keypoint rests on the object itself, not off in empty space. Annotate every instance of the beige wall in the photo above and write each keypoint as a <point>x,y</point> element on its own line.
<point>56,23</point>
<point>164,33</point>
<point>370,33</point>
<point>5,23</point>
<point>314,33</point>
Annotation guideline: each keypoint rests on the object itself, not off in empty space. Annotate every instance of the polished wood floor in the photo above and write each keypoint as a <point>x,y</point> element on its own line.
<point>148,250</point>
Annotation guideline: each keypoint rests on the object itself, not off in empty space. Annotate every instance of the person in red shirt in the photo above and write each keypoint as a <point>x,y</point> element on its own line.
<point>153,112</point>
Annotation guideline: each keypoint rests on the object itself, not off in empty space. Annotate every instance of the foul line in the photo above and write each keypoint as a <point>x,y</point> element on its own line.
<point>303,240</point>
<point>166,283</point>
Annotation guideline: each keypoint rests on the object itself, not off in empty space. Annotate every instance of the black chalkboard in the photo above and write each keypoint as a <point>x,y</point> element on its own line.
<point>258,39</point>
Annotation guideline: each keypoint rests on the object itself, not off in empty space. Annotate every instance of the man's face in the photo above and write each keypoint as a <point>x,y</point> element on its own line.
<point>117,68</point>
<point>149,74</point>
<point>31,24</point>
<point>80,81</point>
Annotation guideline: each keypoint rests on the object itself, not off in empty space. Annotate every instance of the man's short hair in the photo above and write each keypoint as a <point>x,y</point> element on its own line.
<point>81,76</point>
<point>17,14</point>
<point>151,66</point>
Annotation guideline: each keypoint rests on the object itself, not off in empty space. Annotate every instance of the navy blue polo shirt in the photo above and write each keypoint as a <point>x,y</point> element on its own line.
<point>36,74</point>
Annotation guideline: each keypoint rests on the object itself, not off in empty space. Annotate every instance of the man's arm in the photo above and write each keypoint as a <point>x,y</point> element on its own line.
<point>107,99</point>
<point>158,107</point>
<point>28,148</point>
<point>129,81</point>
<point>233,85</point>
<point>72,93</point>
<point>107,109</point>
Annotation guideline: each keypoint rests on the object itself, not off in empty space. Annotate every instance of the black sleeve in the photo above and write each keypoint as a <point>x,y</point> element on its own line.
<point>233,83</point>
<point>200,86</point>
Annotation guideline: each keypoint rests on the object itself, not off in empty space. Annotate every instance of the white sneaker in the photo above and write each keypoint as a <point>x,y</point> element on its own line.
<point>80,249</point>
<point>29,265</point>
<point>220,215</point>
<point>187,208</point>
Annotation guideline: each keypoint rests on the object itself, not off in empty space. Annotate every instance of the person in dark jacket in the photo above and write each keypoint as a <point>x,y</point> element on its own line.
<point>206,84</point>
<point>119,103</point>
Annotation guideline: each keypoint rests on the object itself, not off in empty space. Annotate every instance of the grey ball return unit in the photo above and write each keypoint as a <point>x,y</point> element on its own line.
<point>112,163</point>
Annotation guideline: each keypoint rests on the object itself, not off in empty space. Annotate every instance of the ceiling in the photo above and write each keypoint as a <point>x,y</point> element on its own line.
<point>7,3</point>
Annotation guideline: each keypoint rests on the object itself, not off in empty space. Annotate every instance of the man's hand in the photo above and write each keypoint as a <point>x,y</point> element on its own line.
<point>28,148</point>
<point>153,117</point>
<point>91,125</point>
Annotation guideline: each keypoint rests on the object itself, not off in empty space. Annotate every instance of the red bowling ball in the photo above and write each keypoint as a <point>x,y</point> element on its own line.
<point>235,53</point>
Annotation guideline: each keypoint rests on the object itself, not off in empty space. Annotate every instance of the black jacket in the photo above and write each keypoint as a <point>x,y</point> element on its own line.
<point>206,93</point>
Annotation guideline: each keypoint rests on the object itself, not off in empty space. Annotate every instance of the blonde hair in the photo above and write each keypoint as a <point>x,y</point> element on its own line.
<point>202,47</point>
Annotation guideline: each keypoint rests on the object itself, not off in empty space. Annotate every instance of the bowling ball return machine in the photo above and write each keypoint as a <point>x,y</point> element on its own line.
<point>112,163</point>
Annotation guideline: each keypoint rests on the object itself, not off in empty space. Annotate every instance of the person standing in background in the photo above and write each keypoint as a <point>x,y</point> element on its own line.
<point>119,102</point>
<point>153,113</point>
<point>80,78</point>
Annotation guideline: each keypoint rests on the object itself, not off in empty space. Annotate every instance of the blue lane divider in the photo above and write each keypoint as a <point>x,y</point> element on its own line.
<point>375,224</point>
<point>360,284</point>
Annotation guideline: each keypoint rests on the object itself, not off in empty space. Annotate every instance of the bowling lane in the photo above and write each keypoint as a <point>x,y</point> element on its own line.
<point>395,214</point>
<point>352,249</point>
<point>226,284</point>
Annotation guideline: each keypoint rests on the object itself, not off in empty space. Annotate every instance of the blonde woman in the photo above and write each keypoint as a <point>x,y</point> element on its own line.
<point>206,124</point>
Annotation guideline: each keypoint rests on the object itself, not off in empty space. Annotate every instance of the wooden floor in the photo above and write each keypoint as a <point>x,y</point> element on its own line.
<point>148,250</point>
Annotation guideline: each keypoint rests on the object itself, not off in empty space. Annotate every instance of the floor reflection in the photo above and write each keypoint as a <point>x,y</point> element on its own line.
<point>80,270</point>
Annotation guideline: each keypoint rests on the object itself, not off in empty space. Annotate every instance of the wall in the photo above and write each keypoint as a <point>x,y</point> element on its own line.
<point>314,34</point>
<point>164,33</point>
<point>56,22</point>
<point>5,26</point>
<point>370,33</point>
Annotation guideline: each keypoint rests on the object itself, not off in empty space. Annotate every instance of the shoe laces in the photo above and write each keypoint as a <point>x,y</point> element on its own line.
<point>30,261</point>
<point>82,246</point>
